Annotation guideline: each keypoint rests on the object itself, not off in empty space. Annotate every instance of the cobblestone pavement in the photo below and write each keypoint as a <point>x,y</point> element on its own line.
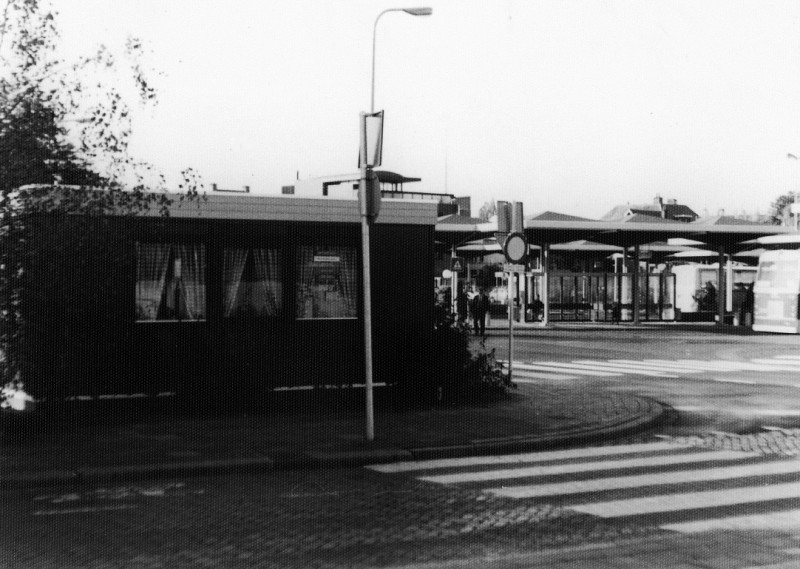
<point>350,518</point>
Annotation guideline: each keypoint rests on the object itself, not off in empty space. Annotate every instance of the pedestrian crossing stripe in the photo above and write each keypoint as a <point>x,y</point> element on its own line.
<point>550,370</point>
<point>787,521</point>
<point>530,376</point>
<point>531,457</point>
<point>572,468</point>
<point>680,488</point>
<point>690,500</point>
<point>662,478</point>
<point>553,366</point>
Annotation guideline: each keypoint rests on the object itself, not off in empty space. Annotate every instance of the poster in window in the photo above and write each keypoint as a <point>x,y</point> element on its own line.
<point>326,287</point>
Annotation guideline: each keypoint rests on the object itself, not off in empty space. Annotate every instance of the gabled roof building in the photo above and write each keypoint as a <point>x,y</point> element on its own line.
<point>669,209</point>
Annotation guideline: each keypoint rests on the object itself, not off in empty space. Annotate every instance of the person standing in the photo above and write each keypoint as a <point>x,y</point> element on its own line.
<point>480,306</point>
<point>462,303</point>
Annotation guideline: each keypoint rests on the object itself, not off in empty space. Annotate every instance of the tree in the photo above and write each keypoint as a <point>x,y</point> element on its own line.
<point>780,212</point>
<point>65,126</point>
<point>487,210</point>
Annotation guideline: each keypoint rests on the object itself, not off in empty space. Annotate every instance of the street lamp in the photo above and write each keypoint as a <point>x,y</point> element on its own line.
<point>413,12</point>
<point>367,214</point>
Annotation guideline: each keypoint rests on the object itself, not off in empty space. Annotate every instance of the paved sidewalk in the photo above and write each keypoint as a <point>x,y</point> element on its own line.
<point>529,418</point>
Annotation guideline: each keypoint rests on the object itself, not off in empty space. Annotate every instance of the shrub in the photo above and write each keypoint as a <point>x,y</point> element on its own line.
<point>462,373</point>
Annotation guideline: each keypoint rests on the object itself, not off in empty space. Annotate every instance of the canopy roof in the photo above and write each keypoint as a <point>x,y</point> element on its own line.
<point>550,229</point>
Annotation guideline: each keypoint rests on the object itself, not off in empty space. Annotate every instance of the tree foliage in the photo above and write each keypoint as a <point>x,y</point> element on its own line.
<point>487,210</point>
<point>65,127</point>
<point>780,213</point>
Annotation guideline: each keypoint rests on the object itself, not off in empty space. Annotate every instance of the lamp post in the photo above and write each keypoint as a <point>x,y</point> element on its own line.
<point>413,12</point>
<point>366,220</point>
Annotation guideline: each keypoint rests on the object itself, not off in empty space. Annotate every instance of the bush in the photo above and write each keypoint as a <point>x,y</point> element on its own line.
<point>463,374</point>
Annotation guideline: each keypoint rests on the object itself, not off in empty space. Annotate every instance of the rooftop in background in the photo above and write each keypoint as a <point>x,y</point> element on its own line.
<point>345,186</point>
<point>669,209</point>
<point>555,216</point>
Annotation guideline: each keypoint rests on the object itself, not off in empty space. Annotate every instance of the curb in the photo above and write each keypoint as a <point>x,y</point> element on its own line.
<point>654,414</point>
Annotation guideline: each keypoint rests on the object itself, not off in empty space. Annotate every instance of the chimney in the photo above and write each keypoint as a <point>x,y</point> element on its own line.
<point>659,201</point>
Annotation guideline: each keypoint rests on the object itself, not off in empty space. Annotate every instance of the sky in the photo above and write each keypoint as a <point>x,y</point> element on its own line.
<point>573,106</point>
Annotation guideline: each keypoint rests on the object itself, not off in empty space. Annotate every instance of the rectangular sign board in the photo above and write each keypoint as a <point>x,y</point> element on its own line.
<point>509,268</point>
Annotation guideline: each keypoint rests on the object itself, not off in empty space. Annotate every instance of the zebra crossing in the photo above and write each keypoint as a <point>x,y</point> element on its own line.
<point>677,487</point>
<point>530,372</point>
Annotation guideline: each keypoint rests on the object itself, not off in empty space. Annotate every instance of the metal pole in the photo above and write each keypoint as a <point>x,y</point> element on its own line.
<point>510,327</point>
<point>721,286</point>
<point>636,301</point>
<point>545,284</point>
<point>454,287</point>
<point>365,223</point>
<point>367,292</point>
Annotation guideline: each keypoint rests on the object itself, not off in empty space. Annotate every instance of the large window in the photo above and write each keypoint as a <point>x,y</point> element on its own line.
<point>326,282</point>
<point>170,282</point>
<point>252,283</point>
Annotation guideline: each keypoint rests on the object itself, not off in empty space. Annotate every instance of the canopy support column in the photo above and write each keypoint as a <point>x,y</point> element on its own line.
<point>635,284</point>
<point>722,287</point>
<point>545,283</point>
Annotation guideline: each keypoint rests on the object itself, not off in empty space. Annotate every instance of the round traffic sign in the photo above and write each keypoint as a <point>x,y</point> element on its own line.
<point>515,248</point>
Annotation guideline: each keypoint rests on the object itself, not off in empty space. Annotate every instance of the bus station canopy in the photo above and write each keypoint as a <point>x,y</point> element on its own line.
<point>626,233</point>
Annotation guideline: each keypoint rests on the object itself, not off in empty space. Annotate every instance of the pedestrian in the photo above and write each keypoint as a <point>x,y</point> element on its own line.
<point>537,309</point>
<point>748,306</point>
<point>480,306</point>
<point>462,304</point>
<point>616,312</point>
<point>710,297</point>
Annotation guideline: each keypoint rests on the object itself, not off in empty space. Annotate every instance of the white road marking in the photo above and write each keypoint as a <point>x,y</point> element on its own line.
<point>525,458</point>
<point>661,478</point>
<point>740,411</point>
<point>570,468</point>
<point>690,500</point>
<point>88,509</point>
<point>516,373</point>
<point>638,370</point>
<point>727,380</point>
<point>559,367</point>
<point>642,364</point>
<point>785,521</point>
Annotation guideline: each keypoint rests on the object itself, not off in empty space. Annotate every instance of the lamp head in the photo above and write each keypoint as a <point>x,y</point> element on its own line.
<point>418,11</point>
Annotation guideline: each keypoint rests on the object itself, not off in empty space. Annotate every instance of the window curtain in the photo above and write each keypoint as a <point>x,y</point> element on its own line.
<point>267,265</point>
<point>348,278</point>
<point>151,273</point>
<point>234,262</point>
<point>193,279</point>
<point>305,260</point>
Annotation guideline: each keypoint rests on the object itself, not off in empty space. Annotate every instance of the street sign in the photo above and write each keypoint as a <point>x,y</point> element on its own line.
<point>515,248</point>
<point>513,268</point>
<point>457,264</point>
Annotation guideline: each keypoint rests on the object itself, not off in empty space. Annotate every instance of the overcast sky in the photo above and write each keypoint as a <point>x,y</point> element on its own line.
<point>567,106</point>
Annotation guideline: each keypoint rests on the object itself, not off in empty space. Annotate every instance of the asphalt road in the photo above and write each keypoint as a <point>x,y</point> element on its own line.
<point>368,518</point>
<point>724,396</point>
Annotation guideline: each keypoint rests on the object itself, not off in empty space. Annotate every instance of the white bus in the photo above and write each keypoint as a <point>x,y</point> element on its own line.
<point>776,292</point>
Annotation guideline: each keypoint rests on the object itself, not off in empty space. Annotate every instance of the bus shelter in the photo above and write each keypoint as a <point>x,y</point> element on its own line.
<point>632,236</point>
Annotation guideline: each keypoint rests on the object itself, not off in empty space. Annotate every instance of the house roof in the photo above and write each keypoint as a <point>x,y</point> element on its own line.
<point>646,218</point>
<point>556,216</point>
<point>456,219</point>
<point>721,220</point>
<point>671,211</point>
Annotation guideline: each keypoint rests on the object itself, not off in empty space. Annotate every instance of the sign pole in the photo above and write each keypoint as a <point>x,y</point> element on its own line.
<point>510,327</point>
<point>366,219</point>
